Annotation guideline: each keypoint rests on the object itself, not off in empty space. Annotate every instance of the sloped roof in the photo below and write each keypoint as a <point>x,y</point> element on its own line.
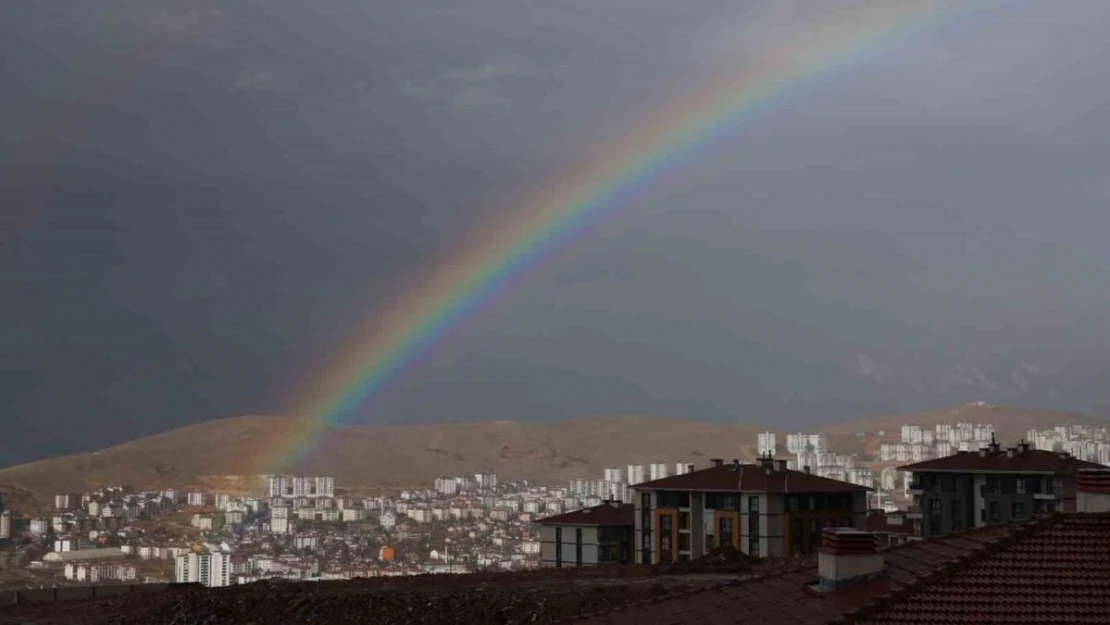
<point>1022,461</point>
<point>603,515</point>
<point>749,478</point>
<point>1050,570</point>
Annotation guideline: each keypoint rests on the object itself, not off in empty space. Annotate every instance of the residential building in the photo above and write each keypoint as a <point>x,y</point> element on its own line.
<point>1026,572</point>
<point>595,536</point>
<point>990,486</point>
<point>302,486</point>
<point>212,569</point>
<point>657,470</point>
<point>5,524</point>
<point>763,509</point>
<point>765,442</point>
<point>614,475</point>
<point>635,474</point>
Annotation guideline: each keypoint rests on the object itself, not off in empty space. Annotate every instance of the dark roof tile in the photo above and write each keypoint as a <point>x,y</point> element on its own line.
<point>1033,460</point>
<point>749,478</point>
<point>606,514</point>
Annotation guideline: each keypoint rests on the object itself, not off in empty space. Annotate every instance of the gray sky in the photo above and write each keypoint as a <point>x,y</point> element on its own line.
<point>199,201</point>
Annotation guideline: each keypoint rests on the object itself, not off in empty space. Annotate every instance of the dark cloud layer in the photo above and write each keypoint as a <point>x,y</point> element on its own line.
<point>200,201</point>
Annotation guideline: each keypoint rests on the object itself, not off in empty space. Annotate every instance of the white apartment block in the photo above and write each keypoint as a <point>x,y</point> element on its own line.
<point>210,569</point>
<point>636,474</point>
<point>614,475</point>
<point>196,499</point>
<point>302,486</point>
<point>39,527</point>
<point>446,485</point>
<point>5,525</point>
<point>800,442</point>
<point>657,470</point>
<point>682,468</point>
<point>765,442</point>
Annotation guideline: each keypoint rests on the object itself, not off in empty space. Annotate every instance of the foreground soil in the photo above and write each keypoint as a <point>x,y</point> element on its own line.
<point>541,598</point>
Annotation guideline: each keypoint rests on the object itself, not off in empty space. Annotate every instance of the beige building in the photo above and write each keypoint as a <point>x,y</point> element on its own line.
<point>762,509</point>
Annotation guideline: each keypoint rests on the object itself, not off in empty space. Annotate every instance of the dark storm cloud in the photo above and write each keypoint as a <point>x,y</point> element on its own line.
<point>202,200</point>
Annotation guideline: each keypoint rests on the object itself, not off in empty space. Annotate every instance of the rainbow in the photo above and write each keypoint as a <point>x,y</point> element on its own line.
<point>396,338</point>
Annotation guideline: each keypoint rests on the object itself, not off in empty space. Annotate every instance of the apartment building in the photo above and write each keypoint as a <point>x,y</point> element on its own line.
<point>594,536</point>
<point>991,485</point>
<point>210,569</point>
<point>302,486</point>
<point>763,509</point>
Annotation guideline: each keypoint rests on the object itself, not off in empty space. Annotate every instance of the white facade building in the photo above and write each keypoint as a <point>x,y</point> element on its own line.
<point>302,486</point>
<point>636,474</point>
<point>766,443</point>
<point>5,524</point>
<point>210,569</point>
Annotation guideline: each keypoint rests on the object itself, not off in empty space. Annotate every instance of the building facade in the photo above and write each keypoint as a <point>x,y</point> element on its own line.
<point>762,509</point>
<point>597,536</point>
<point>210,569</point>
<point>302,486</point>
<point>991,486</point>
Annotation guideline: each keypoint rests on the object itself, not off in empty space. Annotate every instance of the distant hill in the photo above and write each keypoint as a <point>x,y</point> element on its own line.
<point>224,454</point>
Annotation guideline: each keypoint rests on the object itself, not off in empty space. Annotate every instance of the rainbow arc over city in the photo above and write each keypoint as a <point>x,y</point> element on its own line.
<point>556,212</point>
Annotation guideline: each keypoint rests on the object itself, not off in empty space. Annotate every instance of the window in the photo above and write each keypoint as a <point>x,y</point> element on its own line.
<point>684,542</point>
<point>934,507</point>
<point>578,545</point>
<point>683,520</point>
<point>1021,486</point>
<point>666,549</point>
<point>671,499</point>
<point>1017,510</point>
<point>726,530</point>
<point>994,512</point>
<point>957,515</point>
<point>753,545</point>
<point>993,485</point>
<point>605,553</point>
<point>645,527</point>
<point>558,547</point>
<point>1049,485</point>
<point>753,504</point>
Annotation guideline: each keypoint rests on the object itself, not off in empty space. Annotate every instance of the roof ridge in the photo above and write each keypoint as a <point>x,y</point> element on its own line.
<point>1016,533</point>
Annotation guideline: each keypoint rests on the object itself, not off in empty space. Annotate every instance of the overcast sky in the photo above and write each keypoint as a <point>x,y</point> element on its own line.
<point>200,201</point>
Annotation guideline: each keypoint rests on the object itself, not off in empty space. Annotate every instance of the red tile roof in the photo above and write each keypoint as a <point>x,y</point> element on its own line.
<point>749,478</point>
<point>1051,570</point>
<point>1022,461</point>
<point>604,515</point>
<point>1054,570</point>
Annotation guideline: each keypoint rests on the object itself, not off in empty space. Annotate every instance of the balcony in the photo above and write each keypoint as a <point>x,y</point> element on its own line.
<point>1046,496</point>
<point>914,513</point>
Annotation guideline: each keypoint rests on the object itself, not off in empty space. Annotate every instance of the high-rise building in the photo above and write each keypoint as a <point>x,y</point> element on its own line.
<point>657,470</point>
<point>636,474</point>
<point>766,443</point>
<point>614,475</point>
<point>302,486</point>
<point>5,525</point>
<point>210,569</point>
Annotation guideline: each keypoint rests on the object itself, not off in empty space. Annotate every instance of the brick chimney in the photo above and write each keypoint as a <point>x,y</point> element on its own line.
<point>847,557</point>
<point>1092,490</point>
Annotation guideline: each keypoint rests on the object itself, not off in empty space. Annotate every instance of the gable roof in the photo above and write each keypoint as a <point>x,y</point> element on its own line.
<point>606,514</point>
<point>750,478</point>
<point>1004,461</point>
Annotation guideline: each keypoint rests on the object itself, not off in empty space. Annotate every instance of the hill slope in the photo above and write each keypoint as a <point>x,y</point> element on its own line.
<point>386,455</point>
<point>227,454</point>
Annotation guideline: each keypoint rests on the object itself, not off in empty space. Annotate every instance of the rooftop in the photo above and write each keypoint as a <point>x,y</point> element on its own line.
<point>995,459</point>
<point>606,514</point>
<point>767,476</point>
<point>1050,570</point>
